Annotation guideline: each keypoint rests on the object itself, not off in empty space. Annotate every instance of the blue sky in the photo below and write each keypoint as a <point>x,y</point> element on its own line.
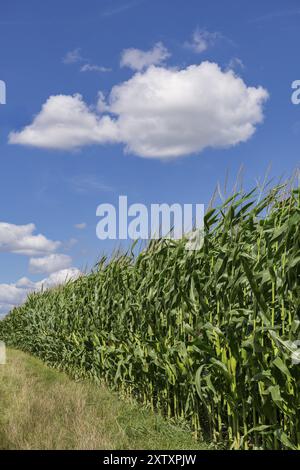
<point>74,47</point>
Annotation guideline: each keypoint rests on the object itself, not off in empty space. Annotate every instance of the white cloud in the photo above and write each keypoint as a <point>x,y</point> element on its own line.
<point>60,277</point>
<point>94,68</point>
<point>158,113</point>
<point>25,283</point>
<point>235,63</point>
<point>49,264</point>
<point>66,122</point>
<point>137,59</point>
<point>22,240</point>
<point>12,295</point>
<point>4,309</point>
<point>168,113</point>
<point>80,226</point>
<point>202,40</point>
<point>73,57</point>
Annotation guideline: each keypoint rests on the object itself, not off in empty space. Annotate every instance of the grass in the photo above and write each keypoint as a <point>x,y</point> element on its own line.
<point>41,408</point>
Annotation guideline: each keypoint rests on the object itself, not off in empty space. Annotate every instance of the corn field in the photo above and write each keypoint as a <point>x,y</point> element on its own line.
<point>208,337</point>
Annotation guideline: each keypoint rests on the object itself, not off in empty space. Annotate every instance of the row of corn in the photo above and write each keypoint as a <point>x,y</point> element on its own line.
<point>208,337</point>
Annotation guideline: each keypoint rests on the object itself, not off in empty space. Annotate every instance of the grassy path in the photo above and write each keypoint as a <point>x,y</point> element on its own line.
<point>41,408</point>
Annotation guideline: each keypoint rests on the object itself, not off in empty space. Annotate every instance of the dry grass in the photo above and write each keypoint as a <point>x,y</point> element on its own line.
<point>41,408</point>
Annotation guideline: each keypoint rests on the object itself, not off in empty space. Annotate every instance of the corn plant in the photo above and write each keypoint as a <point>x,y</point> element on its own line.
<point>203,336</point>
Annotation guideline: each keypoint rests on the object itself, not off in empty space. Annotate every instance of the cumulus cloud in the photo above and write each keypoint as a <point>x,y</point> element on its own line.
<point>202,40</point>
<point>22,240</point>
<point>25,283</point>
<point>4,309</point>
<point>49,264</point>
<point>60,277</point>
<point>12,295</point>
<point>66,122</point>
<point>137,59</point>
<point>158,113</point>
